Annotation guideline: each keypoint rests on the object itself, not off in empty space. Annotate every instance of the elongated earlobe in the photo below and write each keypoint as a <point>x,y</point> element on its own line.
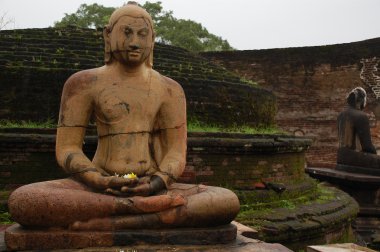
<point>149,61</point>
<point>107,45</point>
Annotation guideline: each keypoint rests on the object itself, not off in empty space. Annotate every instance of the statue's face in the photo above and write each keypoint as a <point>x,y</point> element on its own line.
<point>131,40</point>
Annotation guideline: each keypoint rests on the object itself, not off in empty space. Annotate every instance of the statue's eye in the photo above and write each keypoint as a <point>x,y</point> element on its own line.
<point>128,31</point>
<point>143,32</point>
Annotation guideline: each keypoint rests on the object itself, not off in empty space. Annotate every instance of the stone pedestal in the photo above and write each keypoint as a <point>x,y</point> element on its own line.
<point>221,239</point>
<point>358,169</point>
<point>345,247</point>
<point>365,189</point>
<point>18,238</point>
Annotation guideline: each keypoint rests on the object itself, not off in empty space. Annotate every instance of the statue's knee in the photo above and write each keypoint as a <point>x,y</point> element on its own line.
<point>23,204</point>
<point>16,204</point>
<point>226,197</point>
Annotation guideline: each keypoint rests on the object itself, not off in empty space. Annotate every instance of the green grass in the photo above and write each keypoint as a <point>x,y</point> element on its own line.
<point>193,126</point>
<point>325,194</point>
<point>249,82</point>
<point>5,218</point>
<point>197,126</point>
<point>254,214</point>
<point>27,124</point>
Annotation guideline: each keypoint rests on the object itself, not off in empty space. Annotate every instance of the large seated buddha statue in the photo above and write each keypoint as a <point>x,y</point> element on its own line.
<point>141,124</point>
<point>356,152</point>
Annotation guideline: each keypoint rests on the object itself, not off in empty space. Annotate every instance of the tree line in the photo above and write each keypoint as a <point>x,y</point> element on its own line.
<point>169,30</point>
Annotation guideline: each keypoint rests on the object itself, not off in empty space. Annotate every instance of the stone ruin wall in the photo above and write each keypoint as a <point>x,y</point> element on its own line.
<point>311,84</point>
<point>35,63</point>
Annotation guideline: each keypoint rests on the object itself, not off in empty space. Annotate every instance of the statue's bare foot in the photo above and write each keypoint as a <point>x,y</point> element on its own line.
<point>140,205</point>
<point>168,218</point>
<point>98,224</point>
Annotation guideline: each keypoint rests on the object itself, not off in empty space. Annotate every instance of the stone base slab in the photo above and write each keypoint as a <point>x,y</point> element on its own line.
<point>358,169</point>
<point>349,177</point>
<point>241,244</point>
<point>18,238</point>
<point>344,247</point>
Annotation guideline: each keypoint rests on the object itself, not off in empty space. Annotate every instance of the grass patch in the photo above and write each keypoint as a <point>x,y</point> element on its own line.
<point>254,215</point>
<point>5,218</point>
<point>325,193</point>
<point>50,123</point>
<point>197,126</point>
<point>192,126</point>
<point>249,82</point>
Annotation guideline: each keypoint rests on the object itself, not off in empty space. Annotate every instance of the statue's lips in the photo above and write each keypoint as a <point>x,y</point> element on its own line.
<point>129,52</point>
<point>134,53</point>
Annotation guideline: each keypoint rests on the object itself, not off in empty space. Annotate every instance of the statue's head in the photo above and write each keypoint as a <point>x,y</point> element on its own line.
<point>129,36</point>
<point>357,98</point>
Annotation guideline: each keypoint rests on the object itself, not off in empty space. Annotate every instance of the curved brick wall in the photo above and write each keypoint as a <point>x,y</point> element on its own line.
<point>35,63</point>
<point>231,160</point>
<point>311,84</point>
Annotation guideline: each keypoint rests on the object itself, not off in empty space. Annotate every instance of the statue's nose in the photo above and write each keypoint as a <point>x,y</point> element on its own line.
<point>134,46</point>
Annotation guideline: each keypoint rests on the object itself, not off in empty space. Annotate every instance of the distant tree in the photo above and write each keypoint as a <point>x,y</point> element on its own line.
<point>184,33</point>
<point>5,21</point>
<point>169,30</point>
<point>89,16</point>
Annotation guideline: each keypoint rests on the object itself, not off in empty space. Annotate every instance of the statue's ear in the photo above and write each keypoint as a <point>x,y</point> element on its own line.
<point>107,44</point>
<point>149,61</point>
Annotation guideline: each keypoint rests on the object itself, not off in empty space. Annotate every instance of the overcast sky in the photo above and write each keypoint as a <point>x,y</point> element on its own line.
<point>246,24</point>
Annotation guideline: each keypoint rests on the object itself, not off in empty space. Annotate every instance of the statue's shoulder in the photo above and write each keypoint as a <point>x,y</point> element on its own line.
<point>353,115</point>
<point>82,79</point>
<point>167,84</point>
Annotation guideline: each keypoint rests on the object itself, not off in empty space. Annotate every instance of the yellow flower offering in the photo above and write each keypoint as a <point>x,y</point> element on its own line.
<point>130,176</point>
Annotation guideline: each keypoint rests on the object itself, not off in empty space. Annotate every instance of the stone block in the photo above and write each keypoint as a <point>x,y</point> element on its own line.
<point>345,247</point>
<point>18,238</point>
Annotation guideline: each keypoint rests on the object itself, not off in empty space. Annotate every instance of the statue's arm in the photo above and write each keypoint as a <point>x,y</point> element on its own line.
<point>74,114</point>
<point>75,111</point>
<point>364,133</point>
<point>173,135</point>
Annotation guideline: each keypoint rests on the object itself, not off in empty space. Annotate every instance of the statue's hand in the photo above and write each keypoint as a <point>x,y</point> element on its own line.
<point>146,186</point>
<point>98,181</point>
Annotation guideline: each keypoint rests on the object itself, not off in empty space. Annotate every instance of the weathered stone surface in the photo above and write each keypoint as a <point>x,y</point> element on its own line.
<point>245,230</point>
<point>241,244</point>
<point>18,238</point>
<point>345,247</point>
<point>342,175</point>
<point>365,189</point>
<point>359,169</point>
<point>320,221</point>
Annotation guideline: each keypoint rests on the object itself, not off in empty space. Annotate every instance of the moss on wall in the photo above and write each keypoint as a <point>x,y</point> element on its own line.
<point>35,63</point>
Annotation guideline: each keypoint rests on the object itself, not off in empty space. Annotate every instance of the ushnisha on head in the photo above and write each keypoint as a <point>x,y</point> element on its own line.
<point>129,36</point>
<point>357,98</point>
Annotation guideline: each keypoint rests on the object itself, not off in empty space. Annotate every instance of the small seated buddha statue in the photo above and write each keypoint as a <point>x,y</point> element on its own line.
<point>356,153</point>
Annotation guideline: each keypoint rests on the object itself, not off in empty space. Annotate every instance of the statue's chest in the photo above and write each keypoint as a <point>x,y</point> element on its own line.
<point>116,103</point>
